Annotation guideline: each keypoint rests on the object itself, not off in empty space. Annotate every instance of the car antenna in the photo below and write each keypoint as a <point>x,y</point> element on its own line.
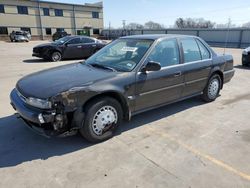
<point>227,35</point>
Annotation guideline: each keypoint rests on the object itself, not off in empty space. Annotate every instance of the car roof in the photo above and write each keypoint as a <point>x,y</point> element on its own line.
<point>155,36</point>
<point>82,36</point>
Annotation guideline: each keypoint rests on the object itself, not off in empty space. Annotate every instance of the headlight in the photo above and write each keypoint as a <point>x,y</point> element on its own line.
<point>39,103</point>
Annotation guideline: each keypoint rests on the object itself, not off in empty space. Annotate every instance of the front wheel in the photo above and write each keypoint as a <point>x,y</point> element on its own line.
<point>212,90</point>
<point>56,56</point>
<point>101,119</point>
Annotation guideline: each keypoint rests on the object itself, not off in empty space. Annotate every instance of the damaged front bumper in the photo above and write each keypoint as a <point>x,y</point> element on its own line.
<point>41,121</point>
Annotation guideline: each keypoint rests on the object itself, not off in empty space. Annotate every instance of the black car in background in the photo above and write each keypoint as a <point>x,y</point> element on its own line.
<point>20,36</point>
<point>69,47</point>
<point>129,76</point>
<point>246,57</point>
<point>59,34</point>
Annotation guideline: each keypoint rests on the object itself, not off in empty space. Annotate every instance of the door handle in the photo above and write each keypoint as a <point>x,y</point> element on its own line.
<point>177,74</point>
<point>79,46</point>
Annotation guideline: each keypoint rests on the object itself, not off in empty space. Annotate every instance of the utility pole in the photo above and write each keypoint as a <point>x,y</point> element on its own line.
<point>40,19</point>
<point>124,24</point>
<point>109,30</point>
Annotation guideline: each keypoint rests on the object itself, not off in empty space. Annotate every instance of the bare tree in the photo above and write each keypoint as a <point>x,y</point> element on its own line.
<point>246,25</point>
<point>134,26</point>
<point>153,25</point>
<point>193,23</point>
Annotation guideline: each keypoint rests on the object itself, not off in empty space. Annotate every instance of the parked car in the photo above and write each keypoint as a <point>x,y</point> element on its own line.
<point>59,34</point>
<point>70,47</point>
<point>246,57</point>
<point>130,75</point>
<point>20,36</point>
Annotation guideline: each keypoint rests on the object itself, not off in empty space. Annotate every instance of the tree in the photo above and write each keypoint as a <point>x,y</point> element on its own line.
<point>246,25</point>
<point>153,25</point>
<point>193,23</point>
<point>134,26</point>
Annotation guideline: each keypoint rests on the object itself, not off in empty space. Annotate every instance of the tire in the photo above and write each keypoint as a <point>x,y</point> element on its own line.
<point>99,112</point>
<point>56,56</point>
<point>212,90</point>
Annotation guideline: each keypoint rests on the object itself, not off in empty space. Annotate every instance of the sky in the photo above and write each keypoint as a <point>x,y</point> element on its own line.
<point>166,12</point>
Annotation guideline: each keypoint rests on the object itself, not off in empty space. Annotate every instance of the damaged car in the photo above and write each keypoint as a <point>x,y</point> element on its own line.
<point>129,76</point>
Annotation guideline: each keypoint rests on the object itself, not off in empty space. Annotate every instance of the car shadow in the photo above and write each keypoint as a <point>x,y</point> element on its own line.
<point>35,61</point>
<point>18,144</point>
<point>242,67</point>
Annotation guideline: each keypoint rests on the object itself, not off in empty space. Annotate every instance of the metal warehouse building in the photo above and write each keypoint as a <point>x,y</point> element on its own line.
<point>42,18</point>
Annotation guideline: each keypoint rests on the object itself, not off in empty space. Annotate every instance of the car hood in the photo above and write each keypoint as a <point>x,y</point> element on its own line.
<point>46,45</point>
<point>49,83</point>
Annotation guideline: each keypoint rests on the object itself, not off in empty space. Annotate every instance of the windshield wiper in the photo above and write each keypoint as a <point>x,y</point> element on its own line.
<point>103,67</point>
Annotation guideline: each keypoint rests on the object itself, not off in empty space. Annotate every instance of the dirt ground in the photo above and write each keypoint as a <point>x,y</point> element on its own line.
<point>187,144</point>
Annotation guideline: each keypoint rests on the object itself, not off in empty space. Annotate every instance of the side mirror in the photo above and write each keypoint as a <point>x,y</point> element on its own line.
<point>152,66</point>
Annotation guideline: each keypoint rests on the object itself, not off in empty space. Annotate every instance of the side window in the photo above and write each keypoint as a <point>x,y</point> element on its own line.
<point>87,40</point>
<point>74,41</point>
<point>166,53</point>
<point>205,54</point>
<point>191,50</point>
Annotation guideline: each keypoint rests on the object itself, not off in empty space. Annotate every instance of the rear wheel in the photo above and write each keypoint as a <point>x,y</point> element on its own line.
<point>212,90</point>
<point>56,56</point>
<point>101,120</point>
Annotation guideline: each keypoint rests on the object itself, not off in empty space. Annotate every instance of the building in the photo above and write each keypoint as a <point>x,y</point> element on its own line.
<point>43,18</point>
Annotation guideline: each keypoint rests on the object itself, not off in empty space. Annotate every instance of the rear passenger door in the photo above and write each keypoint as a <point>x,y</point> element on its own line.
<point>197,65</point>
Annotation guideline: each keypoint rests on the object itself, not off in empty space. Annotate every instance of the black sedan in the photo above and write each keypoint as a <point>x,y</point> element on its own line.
<point>70,47</point>
<point>129,76</point>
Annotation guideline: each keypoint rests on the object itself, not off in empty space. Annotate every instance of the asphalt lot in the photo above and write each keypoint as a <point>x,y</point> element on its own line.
<point>188,144</point>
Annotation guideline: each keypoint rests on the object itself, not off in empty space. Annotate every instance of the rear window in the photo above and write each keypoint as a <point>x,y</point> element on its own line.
<point>191,50</point>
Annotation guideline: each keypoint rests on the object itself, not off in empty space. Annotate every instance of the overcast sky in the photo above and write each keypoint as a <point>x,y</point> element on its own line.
<point>166,12</point>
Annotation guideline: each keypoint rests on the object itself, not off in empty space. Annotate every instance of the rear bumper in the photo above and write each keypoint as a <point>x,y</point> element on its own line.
<point>228,75</point>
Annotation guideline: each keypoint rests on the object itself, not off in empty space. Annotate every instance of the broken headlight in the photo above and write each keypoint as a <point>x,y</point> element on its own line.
<point>39,103</point>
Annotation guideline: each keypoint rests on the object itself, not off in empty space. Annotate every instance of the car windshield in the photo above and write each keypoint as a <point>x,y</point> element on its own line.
<point>62,40</point>
<point>121,55</point>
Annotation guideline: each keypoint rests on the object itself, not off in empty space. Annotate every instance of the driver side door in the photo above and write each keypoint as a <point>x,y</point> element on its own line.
<point>157,88</point>
<point>73,49</point>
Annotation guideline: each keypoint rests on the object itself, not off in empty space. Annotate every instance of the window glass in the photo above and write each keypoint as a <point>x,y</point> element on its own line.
<point>2,9</point>
<point>191,50</point>
<point>3,30</point>
<point>122,54</point>
<point>46,11</point>
<point>27,29</point>
<point>87,40</point>
<point>95,14</point>
<point>58,12</point>
<point>22,10</point>
<point>48,31</point>
<point>204,51</point>
<point>74,41</point>
<point>166,53</point>
<point>96,31</point>
<point>60,29</point>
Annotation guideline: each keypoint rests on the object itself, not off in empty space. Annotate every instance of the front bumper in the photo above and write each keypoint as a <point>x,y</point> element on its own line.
<point>37,55</point>
<point>30,116</point>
